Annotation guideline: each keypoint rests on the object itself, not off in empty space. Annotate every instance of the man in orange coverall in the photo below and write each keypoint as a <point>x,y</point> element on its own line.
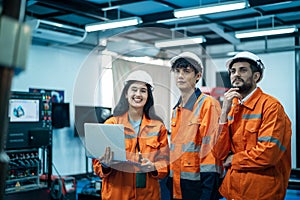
<point>194,171</point>
<point>257,132</point>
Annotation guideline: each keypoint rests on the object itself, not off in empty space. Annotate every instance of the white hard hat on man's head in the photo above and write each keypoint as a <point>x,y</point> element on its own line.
<point>188,55</point>
<point>141,76</point>
<point>247,55</point>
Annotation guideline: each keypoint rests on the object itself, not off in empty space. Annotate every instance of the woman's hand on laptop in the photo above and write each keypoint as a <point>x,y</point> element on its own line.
<point>107,159</point>
<point>147,165</point>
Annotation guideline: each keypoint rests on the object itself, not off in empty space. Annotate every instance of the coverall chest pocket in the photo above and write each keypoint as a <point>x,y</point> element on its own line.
<point>251,134</point>
<point>152,143</point>
<point>195,121</point>
<point>151,148</point>
<point>193,130</point>
<point>191,164</point>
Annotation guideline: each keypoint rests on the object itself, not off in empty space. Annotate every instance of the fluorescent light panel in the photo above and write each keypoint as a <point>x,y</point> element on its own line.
<point>180,42</point>
<point>111,24</point>
<point>176,20</point>
<point>207,9</point>
<point>265,32</point>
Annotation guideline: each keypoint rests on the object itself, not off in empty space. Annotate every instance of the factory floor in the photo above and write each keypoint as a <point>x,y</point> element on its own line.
<point>85,190</point>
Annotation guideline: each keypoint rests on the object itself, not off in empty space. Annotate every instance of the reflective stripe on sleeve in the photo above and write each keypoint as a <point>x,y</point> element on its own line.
<point>272,140</point>
<point>130,136</point>
<point>151,134</point>
<point>252,116</point>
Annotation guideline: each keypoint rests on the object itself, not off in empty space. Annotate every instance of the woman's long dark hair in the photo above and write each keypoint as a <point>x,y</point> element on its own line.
<point>123,106</point>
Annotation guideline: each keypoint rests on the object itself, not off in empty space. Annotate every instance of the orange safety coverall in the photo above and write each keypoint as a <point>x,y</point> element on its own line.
<point>153,142</point>
<point>193,128</point>
<point>258,133</point>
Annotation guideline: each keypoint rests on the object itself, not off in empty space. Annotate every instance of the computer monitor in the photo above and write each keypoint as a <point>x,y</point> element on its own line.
<point>25,108</point>
<point>60,115</point>
<point>26,128</point>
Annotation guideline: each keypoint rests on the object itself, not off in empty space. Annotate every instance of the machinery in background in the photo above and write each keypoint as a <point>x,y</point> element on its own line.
<point>29,121</point>
<point>23,170</point>
<point>91,190</point>
<point>63,188</point>
<point>32,117</point>
<point>28,142</point>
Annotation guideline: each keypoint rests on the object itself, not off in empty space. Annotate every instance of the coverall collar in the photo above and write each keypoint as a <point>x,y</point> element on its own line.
<point>191,102</point>
<point>125,121</point>
<point>248,96</point>
<point>251,101</point>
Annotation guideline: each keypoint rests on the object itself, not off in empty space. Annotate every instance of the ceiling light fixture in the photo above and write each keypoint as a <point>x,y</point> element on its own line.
<point>180,41</point>
<point>111,24</point>
<point>265,31</point>
<point>176,20</point>
<point>211,8</point>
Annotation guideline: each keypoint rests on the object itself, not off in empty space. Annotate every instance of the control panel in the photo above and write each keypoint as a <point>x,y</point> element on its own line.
<point>23,170</point>
<point>46,110</point>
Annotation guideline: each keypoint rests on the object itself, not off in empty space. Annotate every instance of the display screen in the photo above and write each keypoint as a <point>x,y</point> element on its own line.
<point>60,115</point>
<point>24,110</point>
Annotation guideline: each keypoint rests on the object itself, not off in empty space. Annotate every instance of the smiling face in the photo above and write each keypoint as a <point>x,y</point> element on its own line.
<point>242,77</point>
<point>137,95</point>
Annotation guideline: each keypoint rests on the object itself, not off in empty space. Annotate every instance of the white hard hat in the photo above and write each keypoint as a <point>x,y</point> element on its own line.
<point>246,55</point>
<point>250,56</point>
<point>188,55</point>
<point>141,76</point>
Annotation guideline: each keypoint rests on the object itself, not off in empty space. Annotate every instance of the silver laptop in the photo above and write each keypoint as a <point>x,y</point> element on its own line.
<point>99,136</point>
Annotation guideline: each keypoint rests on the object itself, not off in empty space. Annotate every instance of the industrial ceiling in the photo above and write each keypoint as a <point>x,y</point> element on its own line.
<point>159,23</point>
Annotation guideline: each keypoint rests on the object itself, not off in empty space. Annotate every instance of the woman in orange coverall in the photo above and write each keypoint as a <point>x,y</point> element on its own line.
<point>146,143</point>
<point>257,132</point>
